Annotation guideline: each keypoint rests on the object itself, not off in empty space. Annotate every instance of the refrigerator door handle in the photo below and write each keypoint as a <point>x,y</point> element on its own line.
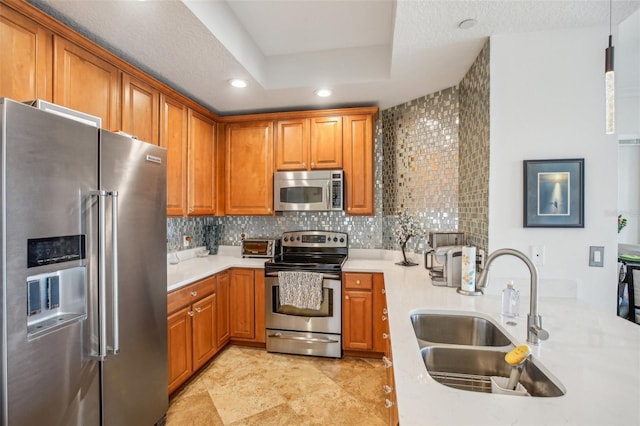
<point>114,272</point>
<point>102,276</point>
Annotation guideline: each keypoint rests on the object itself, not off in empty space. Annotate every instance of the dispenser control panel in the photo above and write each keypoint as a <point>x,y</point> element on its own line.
<point>45,251</point>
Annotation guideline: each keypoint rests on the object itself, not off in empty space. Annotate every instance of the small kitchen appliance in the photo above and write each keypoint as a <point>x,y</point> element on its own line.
<point>301,331</point>
<point>260,247</point>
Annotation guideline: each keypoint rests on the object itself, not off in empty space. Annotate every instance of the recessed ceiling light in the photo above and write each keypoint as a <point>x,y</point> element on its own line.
<point>323,93</point>
<point>236,82</point>
<point>467,23</point>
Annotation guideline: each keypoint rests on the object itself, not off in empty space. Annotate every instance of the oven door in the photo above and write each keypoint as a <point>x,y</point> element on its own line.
<point>327,319</point>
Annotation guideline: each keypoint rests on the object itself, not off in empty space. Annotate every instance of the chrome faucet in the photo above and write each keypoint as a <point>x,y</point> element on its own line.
<point>535,332</point>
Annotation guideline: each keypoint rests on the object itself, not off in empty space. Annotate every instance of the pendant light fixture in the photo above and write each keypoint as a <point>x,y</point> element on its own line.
<point>610,87</point>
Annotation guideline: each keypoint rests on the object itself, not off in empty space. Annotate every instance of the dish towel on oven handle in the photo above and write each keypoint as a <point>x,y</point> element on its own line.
<point>302,290</point>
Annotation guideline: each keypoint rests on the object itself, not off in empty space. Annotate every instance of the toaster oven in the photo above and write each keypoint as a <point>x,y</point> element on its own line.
<point>260,247</point>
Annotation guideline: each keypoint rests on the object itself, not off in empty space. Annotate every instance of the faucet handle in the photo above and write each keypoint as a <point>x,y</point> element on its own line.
<point>540,333</point>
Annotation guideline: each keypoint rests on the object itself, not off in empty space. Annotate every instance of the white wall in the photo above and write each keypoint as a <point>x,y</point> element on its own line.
<point>547,101</point>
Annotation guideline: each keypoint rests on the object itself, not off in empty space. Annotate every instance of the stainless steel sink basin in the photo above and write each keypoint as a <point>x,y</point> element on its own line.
<point>470,369</point>
<point>457,330</point>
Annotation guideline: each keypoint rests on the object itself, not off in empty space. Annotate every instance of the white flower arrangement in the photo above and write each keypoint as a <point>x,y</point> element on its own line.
<point>406,228</point>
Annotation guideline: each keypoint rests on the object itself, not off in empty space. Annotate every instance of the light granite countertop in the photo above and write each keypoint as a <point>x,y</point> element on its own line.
<point>595,355</point>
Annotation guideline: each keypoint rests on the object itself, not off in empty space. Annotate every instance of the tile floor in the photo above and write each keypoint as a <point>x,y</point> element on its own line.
<point>249,386</point>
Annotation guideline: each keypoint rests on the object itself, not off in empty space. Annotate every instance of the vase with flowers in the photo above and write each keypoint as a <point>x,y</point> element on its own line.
<point>622,222</point>
<point>406,228</point>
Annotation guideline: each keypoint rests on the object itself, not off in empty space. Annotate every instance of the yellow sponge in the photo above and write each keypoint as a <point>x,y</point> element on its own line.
<point>517,355</point>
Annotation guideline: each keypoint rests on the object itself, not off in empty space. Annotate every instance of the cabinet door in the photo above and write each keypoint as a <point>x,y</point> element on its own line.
<point>200,164</point>
<point>326,143</point>
<point>222,323</point>
<point>179,337</point>
<point>358,164</point>
<point>204,330</point>
<point>242,304</point>
<point>140,109</point>
<point>173,137</point>
<point>260,326</point>
<point>249,168</point>
<point>357,328</point>
<point>27,58</point>
<point>292,144</point>
<point>85,82</point>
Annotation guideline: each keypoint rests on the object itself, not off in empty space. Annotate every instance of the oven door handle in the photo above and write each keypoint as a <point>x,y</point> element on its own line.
<point>302,339</point>
<point>324,276</point>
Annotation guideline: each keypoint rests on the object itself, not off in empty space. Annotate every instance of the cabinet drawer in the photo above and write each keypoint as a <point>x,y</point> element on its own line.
<point>189,294</point>
<point>356,281</point>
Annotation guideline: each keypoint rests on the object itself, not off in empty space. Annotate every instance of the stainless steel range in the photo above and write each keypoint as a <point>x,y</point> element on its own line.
<point>297,328</point>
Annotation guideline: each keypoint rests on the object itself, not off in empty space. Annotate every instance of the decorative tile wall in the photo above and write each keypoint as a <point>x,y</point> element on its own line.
<point>420,166</point>
<point>431,160</point>
<point>473,201</point>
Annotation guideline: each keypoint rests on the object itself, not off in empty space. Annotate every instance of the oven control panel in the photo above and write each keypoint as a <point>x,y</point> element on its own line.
<point>315,239</point>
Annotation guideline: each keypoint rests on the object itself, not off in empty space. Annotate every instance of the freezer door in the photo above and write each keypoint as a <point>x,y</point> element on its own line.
<point>134,381</point>
<point>50,164</point>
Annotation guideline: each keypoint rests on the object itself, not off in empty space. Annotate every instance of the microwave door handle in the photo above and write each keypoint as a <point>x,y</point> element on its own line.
<point>328,192</point>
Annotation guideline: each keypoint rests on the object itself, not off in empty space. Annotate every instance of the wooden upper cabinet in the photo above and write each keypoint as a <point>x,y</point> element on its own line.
<point>201,199</point>
<point>84,82</point>
<point>358,164</point>
<point>27,58</point>
<point>292,144</point>
<point>249,168</point>
<point>173,137</point>
<point>140,109</point>
<point>326,143</point>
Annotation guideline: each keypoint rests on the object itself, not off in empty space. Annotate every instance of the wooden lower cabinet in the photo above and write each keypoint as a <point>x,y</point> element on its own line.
<point>246,298</point>
<point>191,329</point>
<point>222,325</point>
<point>363,312</point>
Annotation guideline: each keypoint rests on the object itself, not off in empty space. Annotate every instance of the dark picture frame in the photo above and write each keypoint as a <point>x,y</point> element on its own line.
<point>553,193</point>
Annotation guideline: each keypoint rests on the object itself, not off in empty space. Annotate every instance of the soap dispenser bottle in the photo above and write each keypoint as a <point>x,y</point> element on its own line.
<point>510,301</point>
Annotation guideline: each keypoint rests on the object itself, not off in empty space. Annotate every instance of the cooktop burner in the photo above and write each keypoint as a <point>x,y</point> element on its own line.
<point>316,251</point>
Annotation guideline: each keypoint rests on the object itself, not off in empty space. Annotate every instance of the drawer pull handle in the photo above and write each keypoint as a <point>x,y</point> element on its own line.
<point>388,403</point>
<point>194,293</point>
<point>387,388</point>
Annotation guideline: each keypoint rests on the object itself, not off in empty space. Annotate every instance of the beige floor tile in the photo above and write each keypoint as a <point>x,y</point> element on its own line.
<point>249,386</point>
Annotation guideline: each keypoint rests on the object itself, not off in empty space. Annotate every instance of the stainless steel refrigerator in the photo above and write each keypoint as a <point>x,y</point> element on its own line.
<point>83,319</point>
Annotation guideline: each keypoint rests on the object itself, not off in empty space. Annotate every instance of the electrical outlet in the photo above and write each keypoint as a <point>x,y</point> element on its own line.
<point>186,240</point>
<point>537,255</point>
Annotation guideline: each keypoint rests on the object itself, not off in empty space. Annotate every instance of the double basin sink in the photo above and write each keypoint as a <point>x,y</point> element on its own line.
<point>464,351</point>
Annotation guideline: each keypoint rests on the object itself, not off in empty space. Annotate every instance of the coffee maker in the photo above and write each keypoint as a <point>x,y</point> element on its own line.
<point>444,258</point>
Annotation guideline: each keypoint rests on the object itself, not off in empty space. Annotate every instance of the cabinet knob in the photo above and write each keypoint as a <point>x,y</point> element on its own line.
<point>388,403</point>
<point>357,282</point>
<point>190,313</point>
<point>384,318</point>
<point>194,293</point>
<point>346,298</point>
<point>384,311</point>
<point>387,362</point>
<point>387,388</point>
<point>313,164</point>
<point>198,310</point>
<point>304,165</point>
<point>385,335</point>
<point>383,291</point>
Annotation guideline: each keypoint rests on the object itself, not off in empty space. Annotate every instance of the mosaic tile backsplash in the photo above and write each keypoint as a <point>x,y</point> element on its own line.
<point>425,165</point>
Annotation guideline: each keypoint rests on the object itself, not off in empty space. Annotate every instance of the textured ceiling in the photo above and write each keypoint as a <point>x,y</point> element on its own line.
<point>369,52</point>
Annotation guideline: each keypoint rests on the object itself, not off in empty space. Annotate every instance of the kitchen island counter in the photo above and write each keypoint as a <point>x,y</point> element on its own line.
<point>594,354</point>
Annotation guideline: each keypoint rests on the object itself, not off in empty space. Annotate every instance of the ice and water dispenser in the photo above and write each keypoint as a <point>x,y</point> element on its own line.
<point>59,297</point>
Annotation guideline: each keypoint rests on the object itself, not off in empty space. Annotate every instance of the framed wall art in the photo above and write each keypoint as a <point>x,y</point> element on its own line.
<point>554,193</point>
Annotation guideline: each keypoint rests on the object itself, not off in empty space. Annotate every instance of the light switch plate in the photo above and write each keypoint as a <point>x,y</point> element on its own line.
<point>596,256</point>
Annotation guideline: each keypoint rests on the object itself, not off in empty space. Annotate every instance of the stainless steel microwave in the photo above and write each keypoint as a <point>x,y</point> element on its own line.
<point>317,190</point>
